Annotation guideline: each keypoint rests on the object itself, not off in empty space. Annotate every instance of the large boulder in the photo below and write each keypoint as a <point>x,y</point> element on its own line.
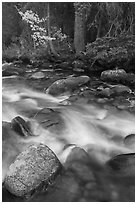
<point>33,168</point>
<point>114,75</point>
<point>67,85</point>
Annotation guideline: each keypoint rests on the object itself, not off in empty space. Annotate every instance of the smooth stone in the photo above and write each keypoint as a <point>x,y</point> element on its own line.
<point>77,154</point>
<point>78,161</point>
<point>129,142</point>
<point>78,70</point>
<point>37,75</point>
<point>67,85</point>
<point>7,73</point>
<point>66,189</point>
<point>83,171</point>
<point>106,92</point>
<point>120,88</point>
<point>123,165</point>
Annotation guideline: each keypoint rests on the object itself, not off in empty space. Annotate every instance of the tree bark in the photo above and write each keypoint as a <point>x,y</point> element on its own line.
<point>79,32</point>
<point>49,31</point>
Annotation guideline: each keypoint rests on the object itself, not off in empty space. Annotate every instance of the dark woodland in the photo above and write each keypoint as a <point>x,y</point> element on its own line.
<point>68,101</point>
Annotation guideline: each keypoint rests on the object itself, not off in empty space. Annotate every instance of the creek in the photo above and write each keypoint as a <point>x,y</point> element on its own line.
<point>61,124</point>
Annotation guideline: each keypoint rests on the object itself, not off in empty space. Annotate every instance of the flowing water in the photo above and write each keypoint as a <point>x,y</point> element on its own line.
<point>89,126</point>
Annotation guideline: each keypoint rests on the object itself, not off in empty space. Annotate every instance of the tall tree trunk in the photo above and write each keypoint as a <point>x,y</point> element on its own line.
<point>49,31</point>
<point>99,29</point>
<point>79,32</point>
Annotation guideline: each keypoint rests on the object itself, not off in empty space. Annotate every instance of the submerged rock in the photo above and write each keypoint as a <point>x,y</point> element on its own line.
<point>66,189</point>
<point>77,154</point>
<point>78,162</point>
<point>33,168</point>
<point>67,85</point>
<point>123,164</point>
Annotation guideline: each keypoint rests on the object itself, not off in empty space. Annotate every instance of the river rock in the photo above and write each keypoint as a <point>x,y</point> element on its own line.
<point>121,103</point>
<point>119,88</point>
<point>78,70</point>
<point>78,161</point>
<point>114,75</point>
<point>130,79</point>
<point>67,85</point>
<point>106,92</point>
<point>123,164</point>
<point>38,75</point>
<point>77,154</point>
<point>78,64</point>
<point>33,168</point>
<point>130,141</point>
<point>64,65</point>
<point>6,65</point>
<point>82,171</point>
<point>20,126</point>
<point>66,189</point>
<point>9,73</point>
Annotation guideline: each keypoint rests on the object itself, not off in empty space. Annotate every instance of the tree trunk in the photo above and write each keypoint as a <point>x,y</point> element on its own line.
<point>79,35</point>
<point>49,31</point>
<point>99,29</point>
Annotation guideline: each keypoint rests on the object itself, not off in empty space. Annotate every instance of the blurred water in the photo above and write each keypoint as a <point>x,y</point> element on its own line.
<point>88,126</point>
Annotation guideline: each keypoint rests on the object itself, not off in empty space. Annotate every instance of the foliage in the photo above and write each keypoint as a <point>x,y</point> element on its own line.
<point>26,30</point>
<point>111,49</point>
<point>112,18</point>
<point>11,52</point>
<point>14,52</point>
<point>39,34</point>
<point>83,7</point>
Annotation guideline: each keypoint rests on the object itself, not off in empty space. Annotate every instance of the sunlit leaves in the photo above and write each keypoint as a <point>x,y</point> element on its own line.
<point>39,33</point>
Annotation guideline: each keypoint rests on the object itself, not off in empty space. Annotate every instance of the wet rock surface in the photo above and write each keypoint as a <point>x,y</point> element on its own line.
<point>21,127</point>
<point>85,180</point>
<point>33,167</point>
<point>37,75</point>
<point>50,119</point>
<point>129,141</point>
<point>67,85</point>
<point>114,75</point>
<point>123,164</point>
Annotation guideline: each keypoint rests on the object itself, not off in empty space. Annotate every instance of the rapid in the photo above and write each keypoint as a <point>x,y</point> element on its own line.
<point>97,129</point>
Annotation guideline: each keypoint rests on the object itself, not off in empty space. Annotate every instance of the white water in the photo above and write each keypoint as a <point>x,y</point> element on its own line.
<point>87,126</point>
